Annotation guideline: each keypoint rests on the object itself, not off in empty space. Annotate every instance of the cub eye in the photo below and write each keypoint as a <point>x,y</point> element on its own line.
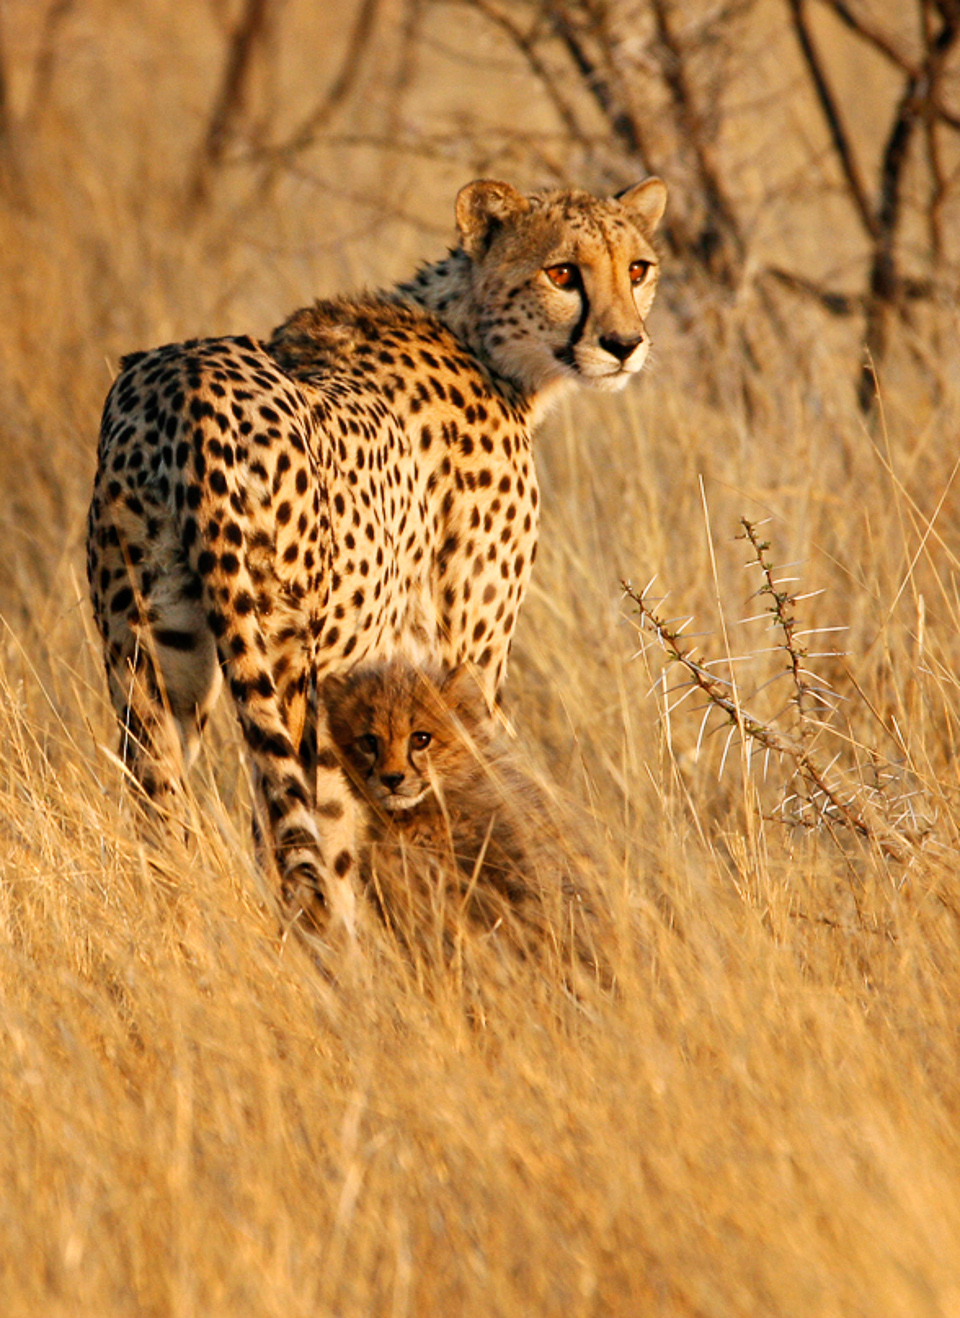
<point>420,740</point>
<point>639,271</point>
<point>563,276</point>
<point>368,743</point>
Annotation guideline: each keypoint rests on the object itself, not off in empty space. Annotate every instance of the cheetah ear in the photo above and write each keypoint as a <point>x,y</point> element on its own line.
<point>482,208</point>
<point>646,201</point>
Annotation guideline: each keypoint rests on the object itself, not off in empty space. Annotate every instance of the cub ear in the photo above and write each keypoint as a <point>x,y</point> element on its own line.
<point>646,201</point>
<point>483,207</point>
<point>333,690</point>
<point>462,691</point>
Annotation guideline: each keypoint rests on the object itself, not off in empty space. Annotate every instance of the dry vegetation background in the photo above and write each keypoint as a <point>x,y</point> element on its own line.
<point>765,1117</point>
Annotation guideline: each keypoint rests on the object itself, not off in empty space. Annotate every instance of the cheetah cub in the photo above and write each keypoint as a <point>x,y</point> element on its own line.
<point>457,833</point>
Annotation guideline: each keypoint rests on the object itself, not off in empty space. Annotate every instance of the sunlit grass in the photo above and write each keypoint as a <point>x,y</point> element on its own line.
<point>761,1116</point>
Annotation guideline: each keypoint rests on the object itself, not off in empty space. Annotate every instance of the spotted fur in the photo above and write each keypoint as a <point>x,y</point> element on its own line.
<point>359,485</point>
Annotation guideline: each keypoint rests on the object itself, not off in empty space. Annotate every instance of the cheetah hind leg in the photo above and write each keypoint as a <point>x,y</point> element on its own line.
<point>163,685</point>
<point>306,825</point>
<point>165,668</point>
<point>164,688</point>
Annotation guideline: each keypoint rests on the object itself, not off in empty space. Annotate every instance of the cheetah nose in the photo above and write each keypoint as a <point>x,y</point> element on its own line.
<point>620,345</point>
<point>391,780</point>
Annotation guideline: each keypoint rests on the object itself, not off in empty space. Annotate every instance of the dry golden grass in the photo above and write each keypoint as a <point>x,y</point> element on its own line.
<point>764,1118</point>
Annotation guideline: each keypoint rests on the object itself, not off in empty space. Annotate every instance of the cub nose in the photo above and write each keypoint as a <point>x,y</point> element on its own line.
<point>620,345</point>
<point>391,780</point>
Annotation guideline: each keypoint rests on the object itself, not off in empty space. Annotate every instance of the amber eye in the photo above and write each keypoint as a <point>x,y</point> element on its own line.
<point>639,271</point>
<point>563,276</point>
<point>368,743</point>
<point>420,740</point>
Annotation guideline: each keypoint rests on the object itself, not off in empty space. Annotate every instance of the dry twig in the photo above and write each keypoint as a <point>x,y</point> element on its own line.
<point>826,794</point>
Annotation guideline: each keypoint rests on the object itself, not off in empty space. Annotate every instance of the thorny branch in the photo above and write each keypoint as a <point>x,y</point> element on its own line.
<point>781,607</point>
<point>831,795</point>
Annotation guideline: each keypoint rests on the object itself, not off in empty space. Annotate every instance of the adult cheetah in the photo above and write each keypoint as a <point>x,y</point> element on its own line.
<point>360,485</point>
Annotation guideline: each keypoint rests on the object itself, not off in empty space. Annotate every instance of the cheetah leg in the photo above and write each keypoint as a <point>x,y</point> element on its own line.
<point>334,804</point>
<point>299,830</point>
<point>315,876</point>
<point>159,736</point>
<point>337,817</point>
<point>163,674</point>
<point>149,744</point>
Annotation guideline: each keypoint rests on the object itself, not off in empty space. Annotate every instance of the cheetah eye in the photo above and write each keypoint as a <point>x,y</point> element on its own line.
<point>420,740</point>
<point>563,276</point>
<point>368,744</point>
<point>639,271</point>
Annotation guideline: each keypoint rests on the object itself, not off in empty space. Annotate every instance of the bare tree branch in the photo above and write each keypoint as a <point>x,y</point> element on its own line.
<point>10,175</point>
<point>45,64</point>
<point>838,304</point>
<point>527,46</point>
<point>623,125</point>
<point>306,134</point>
<point>945,116</point>
<point>5,125</point>
<point>884,284</point>
<point>856,23</point>
<point>231,98</point>
<point>722,240</point>
<point>835,124</point>
<point>938,191</point>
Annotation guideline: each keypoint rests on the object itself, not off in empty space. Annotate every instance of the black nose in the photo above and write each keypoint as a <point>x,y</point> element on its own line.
<point>620,345</point>
<point>391,780</point>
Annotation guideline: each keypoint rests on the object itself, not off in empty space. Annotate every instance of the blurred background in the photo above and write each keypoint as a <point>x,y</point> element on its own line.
<point>764,1118</point>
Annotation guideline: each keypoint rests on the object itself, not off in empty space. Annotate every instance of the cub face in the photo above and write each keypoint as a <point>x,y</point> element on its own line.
<point>399,730</point>
<point>563,280</point>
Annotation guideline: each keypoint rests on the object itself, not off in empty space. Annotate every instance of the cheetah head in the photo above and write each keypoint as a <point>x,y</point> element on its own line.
<point>401,731</point>
<point>562,281</point>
